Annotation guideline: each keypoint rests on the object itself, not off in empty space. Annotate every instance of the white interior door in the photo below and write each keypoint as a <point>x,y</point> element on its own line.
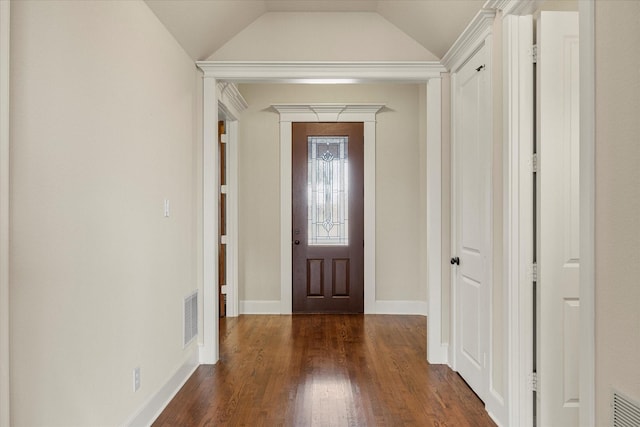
<point>558,145</point>
<point>472,220</point>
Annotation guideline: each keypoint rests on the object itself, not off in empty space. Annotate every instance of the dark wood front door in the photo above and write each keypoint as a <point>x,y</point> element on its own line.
<point>328,217</point>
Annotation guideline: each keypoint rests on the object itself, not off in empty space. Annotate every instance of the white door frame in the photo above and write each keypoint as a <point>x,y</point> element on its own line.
<point>230,104</point>
<point>518,238</point>
<point>518,211</point>
<point>304,72</point>
<point>365,113</point>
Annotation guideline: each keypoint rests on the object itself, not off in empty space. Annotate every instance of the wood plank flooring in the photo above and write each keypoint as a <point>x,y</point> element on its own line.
<point>324,370</point>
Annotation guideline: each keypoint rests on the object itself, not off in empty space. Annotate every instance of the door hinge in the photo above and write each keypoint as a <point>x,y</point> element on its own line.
<point>535,165</point>
<point>533,381</point>
<point>223,138</point>
<point>534,53</point>
<point>534,272</point>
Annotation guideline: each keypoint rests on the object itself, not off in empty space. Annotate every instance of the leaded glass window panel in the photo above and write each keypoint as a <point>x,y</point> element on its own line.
<point>328,190</point>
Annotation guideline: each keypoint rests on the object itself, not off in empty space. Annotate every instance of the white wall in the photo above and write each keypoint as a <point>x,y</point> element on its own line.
<point>322,36</point>
<point>617,232</point>
<point>103,103</point>
<point>399,173</point>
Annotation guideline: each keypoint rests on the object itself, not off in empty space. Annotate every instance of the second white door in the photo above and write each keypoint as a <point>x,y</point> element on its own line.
<point>472,220</point>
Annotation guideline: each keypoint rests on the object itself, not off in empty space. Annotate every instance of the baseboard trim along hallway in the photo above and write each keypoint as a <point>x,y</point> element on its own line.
<point>159,400</point>
<point>381,307</point>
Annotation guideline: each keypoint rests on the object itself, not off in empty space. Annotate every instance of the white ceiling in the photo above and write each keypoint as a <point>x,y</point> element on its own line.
<point>204,26</point>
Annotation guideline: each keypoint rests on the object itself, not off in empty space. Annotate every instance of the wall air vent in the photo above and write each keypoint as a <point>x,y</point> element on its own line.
<point>626,412</point>
<point>190,318</point>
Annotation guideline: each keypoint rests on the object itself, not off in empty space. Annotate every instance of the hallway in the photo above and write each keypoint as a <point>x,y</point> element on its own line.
<point>324,370</point>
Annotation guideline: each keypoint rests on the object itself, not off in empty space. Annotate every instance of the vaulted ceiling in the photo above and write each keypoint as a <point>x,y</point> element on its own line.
<point>202,27</point>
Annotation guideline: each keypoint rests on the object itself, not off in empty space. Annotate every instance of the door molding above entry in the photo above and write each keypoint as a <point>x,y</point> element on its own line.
<point>365,113</point>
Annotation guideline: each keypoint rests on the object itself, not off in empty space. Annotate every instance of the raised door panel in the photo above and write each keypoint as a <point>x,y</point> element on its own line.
<point>558,218</point>
<point>472,184</point>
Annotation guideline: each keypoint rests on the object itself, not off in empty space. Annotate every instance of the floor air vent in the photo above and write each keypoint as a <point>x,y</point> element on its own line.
<point>626,412</point>
<point>190,318</point>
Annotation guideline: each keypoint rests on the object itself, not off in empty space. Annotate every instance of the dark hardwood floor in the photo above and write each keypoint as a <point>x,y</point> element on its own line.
<point>324,370</point>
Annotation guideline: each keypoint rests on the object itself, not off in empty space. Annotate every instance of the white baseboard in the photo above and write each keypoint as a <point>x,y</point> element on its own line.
<point>493,417</point>
<point>438,355</point>
<point>382,307</point>
<point>401,307</point>
<point>496,408</point>
<point>152,408</point>
<point>260,307</point>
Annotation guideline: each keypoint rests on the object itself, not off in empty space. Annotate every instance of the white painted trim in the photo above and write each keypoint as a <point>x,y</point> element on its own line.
<point>231,104</point>
<point>260,307</point>
<point>286,252</point>
<point>322,72</point>
<point>370,212</point>
<point>210,182</point>
<point>518,213</point>
<point>231,99</point>
<point>226,99</point>
<point>232,219</point>
<point>436,349</point>
<point>4,213</point>
<point>402,307</point>
<point>495,419</point>
<point>470,40</point>
<point>494,402</point>
<point>453,244</point>
<point>277,72</point>
<point>290,113</point>
<point>587,213</point>
<point>153,407</point>
<point>514,7</point>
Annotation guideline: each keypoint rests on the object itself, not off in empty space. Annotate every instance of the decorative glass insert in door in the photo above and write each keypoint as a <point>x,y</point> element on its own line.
<point>328,190</point>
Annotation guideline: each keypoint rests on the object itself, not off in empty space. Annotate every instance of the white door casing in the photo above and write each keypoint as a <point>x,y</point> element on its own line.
<point>365,113</point>
<point>293,72</point>
<point>558,216</point>
<point>231,104</point>
<point>518,212</point>
<point>471,195</point>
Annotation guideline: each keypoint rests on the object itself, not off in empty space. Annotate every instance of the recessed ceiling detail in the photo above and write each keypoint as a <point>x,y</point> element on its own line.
<point>322,36</point>
<point>202,27</point>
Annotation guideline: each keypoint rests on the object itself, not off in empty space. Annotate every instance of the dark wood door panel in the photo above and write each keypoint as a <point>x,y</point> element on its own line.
<point>328,271</point>
<point>340,278</point>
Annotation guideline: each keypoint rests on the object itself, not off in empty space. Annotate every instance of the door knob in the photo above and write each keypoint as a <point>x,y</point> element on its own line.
<point>455,260</point>
<point>297,242</point>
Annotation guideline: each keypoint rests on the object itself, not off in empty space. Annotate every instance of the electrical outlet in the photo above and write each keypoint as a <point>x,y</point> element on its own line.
<point>136,378</point>
<point>166,208</point>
